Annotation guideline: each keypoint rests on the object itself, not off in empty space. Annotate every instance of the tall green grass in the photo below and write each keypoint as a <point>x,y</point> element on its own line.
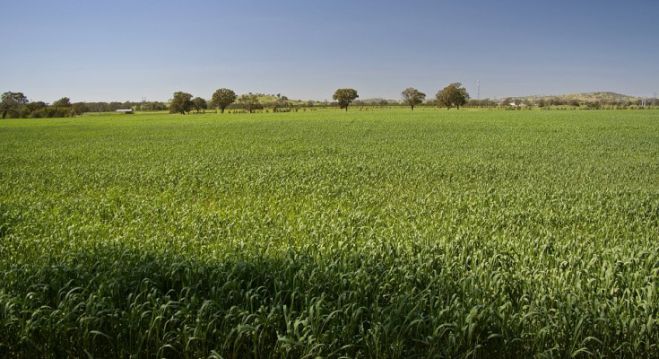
<point>372,234</point>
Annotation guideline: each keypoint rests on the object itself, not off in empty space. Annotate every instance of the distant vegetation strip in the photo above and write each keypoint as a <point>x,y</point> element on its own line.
<point>17,105</point>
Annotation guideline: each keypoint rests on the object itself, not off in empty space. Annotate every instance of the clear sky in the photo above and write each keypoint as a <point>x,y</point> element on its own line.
<point>93,50</point>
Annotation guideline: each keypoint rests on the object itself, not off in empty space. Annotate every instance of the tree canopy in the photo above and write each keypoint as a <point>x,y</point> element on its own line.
<point>181,103</point>
<point>12,104</point>
<point>223,98</point>
<point>413,97</point>
<point>452,95</point>
<point>199,104</point>
<point>63,102</point>
<point>281,104</point>
<point>249,102</point>
<point>16,105</point>
<point>345,96</point>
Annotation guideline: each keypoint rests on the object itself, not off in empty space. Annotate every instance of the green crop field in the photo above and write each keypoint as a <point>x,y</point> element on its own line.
<point>374,234</point>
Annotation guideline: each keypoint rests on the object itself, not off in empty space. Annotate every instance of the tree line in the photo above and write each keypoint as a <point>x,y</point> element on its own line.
<point>17,105</point>
<point>453,95</point>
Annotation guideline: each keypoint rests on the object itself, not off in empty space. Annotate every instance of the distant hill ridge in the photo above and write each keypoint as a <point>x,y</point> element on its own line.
<point>584,97</point>
<point>598,96</point>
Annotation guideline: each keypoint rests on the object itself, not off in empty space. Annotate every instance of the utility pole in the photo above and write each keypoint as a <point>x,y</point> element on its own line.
<point>478,91</point>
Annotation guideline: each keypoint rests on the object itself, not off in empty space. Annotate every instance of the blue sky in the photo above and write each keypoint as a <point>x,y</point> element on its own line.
<point>93,50</point>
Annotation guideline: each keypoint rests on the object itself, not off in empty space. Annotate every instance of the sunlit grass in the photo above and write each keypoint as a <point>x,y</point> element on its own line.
<point>360,234</point>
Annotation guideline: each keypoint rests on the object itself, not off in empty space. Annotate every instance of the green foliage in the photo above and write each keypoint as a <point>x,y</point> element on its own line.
<point>12,104</point>
<point>16,105</point>
<point>145,106</point>
<point>344,97</point>
<point>33,107</point>
<point>249,102</point>
<point>79,108</point>
<point>413,97</point>
<point>181,103</point>
<point>223,98</point>
<point>453,95</point>
<point>63,102</point>
<point>199,104</point>
<point>280,104</point>
<point>381,234</point>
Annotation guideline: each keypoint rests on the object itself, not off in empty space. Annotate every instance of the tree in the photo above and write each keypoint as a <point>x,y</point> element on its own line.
<point>12,104</point>
<point>281,104</point>
<point>199,104</point>
<point>413,97</point>
<point>79,108</point>
<point>223,98</point>
<point>63,102</point>
<point>62,108</point>
<point>452,95</point>
<point>37,109</point>
<point>151,106</point>
<point>249,101</point>
<point>35,106</point>
<point>181,103</point>
<point>345,97</point>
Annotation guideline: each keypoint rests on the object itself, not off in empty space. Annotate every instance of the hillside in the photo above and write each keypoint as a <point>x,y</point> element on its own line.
<point>584,97</point>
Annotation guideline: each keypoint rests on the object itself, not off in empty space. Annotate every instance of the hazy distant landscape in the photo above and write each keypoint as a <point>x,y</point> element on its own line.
<point>18,105</point>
